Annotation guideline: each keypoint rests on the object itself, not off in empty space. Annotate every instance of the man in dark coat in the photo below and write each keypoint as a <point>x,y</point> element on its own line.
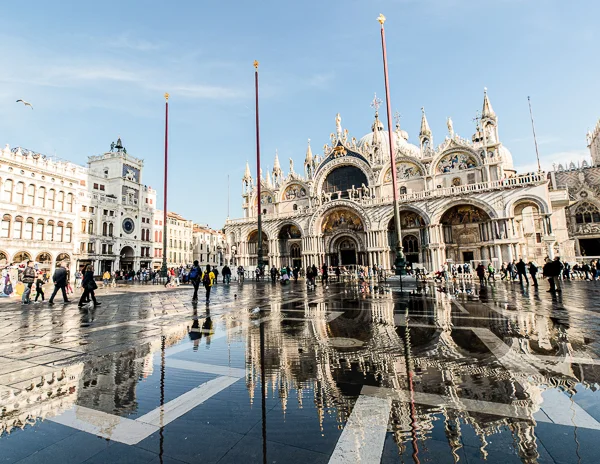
<point>533,269</point>
<point>60,283</point>
<point>522,271</point>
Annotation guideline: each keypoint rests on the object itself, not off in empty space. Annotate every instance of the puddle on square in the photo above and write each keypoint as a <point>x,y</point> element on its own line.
<point>469,378</point>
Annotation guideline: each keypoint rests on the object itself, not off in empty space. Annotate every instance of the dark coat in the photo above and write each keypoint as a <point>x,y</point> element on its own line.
<point>87,277</point>
<point>60,277</point>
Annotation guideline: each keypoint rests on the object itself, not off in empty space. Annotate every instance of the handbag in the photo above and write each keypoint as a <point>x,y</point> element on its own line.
<point>91,285</point>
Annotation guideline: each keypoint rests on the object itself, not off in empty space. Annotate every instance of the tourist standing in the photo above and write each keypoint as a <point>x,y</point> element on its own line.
<point>558,267</point>
<point>325,275</point>
<point>548,270</point>
<point>89,285</point>
<point>522,271</point>
<point>69,288</point>
<point>337,273</point>
<point>216,273</point>
<point>195,278</point>
<point>296,271</point>
<point>273,274</point>
<point>60,283</point>
<point>226,274</point>
<point>28,280</point>
<point>106,278</point>
<point>481,273</point>
<point>207,280</point>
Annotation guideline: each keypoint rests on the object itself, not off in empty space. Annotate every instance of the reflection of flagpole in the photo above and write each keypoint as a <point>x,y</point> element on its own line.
<point>413,410</point>
<point>263,390</point>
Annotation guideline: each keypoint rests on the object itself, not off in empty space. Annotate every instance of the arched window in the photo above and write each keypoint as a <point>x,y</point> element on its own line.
<point>61,201</point>
<point>50,231</point>
<point>41,197</point>
<point>104,228</point>
<point>110,229</point>
<point>69,233</point>
<point>403,190</point>
<point>410,244</point>
<point>20,193</point>
<point>31,194</point>
<point>39,230</point>
<point>90,227</point>
<point>70,202</point>
<point>295,207</point>
<point>83,224</point>
<point>5,226</point>
<point>18,228</point>
<point>106,173</point>
<point>28,231</point>
<point>51,195</point>
<point>343,179</point>
<point>587,213</point>
<point>59,232</point>
<point>8,190</point>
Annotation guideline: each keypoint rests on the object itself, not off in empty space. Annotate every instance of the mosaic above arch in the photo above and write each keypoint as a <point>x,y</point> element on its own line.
<point>464,214</point>
<point>405,171</point>
<point>454,162</point>
<point>266,199</point>
<point>341,219</point>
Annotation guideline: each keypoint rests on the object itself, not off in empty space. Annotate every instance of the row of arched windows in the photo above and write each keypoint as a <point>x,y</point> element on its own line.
<point>40,230</point>
<point>37,196</point>
<point>87,227</point>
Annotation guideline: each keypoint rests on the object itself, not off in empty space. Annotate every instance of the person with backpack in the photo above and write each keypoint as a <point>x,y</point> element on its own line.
<point>207,280</point>
<point>194,278</point>
<point>28,280</point>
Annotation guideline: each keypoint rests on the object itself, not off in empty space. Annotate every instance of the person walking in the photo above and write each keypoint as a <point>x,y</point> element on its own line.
<point>39,286</point>
<point>28,280</point>
<point>60,283</point>
<point>89,285</point>
<point>533,270</point>
<point>522,271</point>
<point>207,280</point>
<point>296,271</point>
<point>195,278</point>
<point>567,271</point>
<point>226,272</point>
<point>558,267</point>
<point>274,273</point>
<point>216,273</point>
<point>586,271</point>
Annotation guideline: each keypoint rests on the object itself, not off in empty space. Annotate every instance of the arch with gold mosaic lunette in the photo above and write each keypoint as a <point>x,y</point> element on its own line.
<point>455,160</point>
<point>406,168</point>
<point>295,191</point>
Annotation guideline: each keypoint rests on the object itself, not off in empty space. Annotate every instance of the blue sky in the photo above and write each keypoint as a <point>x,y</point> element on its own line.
<point>96,70</point>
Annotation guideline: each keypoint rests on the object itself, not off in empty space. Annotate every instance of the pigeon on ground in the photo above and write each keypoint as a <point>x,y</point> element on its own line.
<point>26,103</point>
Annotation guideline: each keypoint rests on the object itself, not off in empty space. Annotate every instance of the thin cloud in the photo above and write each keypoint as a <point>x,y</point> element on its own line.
<point>129,43</point>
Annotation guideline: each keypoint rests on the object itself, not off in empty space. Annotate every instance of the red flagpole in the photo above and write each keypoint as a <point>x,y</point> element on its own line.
<point>260,240</point>
<point>400,262</point>
<point>164,261</point>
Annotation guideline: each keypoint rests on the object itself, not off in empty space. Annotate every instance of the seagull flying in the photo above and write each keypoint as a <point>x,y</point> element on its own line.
<point>25,103</point>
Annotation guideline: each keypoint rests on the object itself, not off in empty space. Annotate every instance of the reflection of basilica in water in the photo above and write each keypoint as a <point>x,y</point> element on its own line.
<point>460,201</point>
<point>504,359</point>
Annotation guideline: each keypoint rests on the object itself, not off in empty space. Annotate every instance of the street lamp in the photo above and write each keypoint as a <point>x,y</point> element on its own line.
<point>400,262</point>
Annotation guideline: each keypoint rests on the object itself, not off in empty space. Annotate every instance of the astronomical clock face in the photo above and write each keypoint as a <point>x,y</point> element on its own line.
<point>128,225</point>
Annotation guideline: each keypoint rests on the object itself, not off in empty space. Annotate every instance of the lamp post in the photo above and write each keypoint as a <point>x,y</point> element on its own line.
<point>259,251</point>
<point>399,262</point>
<point>164,261</point>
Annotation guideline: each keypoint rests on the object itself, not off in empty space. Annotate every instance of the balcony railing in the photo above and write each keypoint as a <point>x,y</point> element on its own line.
<point>512,182</point>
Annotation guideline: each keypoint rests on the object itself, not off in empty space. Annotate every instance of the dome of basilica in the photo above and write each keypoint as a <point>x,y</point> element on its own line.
<point>507,159</point>
<point>400,140</point>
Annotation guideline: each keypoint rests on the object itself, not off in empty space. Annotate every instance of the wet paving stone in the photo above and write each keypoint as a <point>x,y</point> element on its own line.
<point>452,373</point>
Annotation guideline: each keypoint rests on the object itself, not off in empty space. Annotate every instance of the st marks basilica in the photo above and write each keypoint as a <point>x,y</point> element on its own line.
<point>460,201</point>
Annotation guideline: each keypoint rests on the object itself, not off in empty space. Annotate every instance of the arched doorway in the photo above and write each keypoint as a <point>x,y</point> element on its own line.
<point>253,248</point>
<point>3,259</point>
<point>529,228</point>
<point>127,256</point>
<point>290,242</point>
<point>44,260</point>
<point>21,257</point>
<point>65,259</point>
<point>466,228</point>
<point>414,238</point>
<point>341,229</point>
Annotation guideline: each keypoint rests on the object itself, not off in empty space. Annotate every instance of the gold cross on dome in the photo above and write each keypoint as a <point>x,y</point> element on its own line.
<point>376,103</point>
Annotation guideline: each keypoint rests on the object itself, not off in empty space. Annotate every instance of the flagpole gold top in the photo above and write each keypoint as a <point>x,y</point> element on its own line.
<point>167,96</point>
<point>381,19</point>
<point>256,64</point>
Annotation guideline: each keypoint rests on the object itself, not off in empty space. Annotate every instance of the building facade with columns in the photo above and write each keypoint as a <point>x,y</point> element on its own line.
<point>582,182</point>
<point>57,211</point>
<point>460,201</point>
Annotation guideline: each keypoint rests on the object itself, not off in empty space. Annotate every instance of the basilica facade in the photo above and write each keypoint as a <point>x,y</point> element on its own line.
<point>460,201</point>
